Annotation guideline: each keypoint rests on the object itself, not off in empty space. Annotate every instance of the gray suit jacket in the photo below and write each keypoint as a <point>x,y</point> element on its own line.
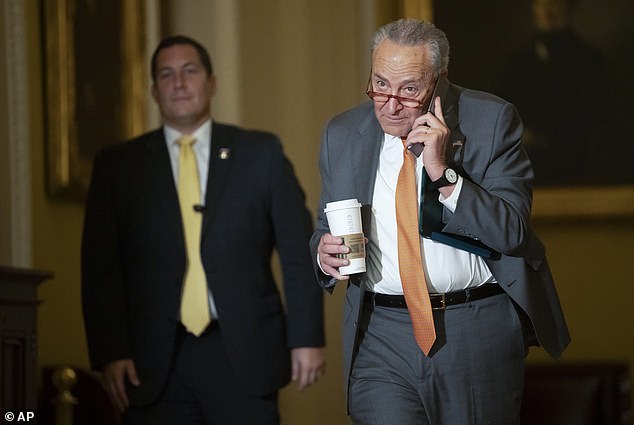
<point>494,205</point>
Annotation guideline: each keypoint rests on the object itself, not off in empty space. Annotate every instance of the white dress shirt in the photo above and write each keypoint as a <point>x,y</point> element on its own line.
<point>202,149</point>
<point>446,268</point>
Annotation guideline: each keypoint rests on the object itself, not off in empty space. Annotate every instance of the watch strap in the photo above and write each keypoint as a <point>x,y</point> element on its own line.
<point>441,182</point>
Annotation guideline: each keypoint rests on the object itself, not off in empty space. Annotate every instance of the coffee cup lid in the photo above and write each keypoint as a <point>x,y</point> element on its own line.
<point>343,204</point>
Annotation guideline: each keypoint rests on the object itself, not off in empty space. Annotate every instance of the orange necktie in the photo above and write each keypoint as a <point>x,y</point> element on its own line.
<point>410,261</point>
<point>195,314</point>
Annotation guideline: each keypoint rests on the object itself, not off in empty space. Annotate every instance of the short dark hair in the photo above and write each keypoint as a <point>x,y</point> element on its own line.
<point>174,40</point>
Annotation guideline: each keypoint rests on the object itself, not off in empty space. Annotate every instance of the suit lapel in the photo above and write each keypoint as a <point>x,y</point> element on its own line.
<point>365,157</point>
<point>163,186</point>
<point>455,147</point>
<point>221,155</point>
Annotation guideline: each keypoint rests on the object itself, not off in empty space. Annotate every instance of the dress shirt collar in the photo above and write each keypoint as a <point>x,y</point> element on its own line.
<point>202,135</point>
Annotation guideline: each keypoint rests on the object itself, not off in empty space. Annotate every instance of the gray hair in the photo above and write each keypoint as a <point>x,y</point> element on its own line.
<point>412,32</point>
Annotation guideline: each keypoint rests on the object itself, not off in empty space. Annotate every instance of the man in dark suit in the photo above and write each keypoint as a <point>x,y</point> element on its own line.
<point>483,273</point>
<point>135,257</point>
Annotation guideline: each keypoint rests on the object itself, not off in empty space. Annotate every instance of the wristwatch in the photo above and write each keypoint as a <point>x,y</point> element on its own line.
<point>449,177</point>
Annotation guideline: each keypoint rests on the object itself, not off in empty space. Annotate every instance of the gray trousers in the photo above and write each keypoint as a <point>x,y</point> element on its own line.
<point>474,374</point>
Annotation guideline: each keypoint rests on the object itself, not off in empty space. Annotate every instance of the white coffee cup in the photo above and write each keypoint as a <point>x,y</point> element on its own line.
<point>344,220</point>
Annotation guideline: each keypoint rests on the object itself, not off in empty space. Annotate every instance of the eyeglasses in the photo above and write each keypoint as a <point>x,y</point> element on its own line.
<point>379,97</point>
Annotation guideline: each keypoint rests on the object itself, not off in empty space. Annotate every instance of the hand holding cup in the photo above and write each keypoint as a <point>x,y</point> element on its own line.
<point>344,220</point>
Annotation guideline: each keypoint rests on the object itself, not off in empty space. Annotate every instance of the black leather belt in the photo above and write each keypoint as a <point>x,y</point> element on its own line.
<point>438,301</point>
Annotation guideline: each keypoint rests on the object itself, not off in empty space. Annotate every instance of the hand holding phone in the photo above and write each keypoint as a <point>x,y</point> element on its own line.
<point>440,89</point>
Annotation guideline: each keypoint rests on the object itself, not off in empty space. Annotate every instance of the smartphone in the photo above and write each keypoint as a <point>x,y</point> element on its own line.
<point>440,89</point>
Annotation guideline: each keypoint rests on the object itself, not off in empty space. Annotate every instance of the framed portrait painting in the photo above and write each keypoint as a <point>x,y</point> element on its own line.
<point>94,84</point>
<point>566,65</point>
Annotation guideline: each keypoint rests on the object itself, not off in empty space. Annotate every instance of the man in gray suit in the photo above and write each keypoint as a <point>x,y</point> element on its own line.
<point>490,287</point>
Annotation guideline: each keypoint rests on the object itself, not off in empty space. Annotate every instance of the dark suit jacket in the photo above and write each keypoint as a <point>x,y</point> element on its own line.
<point>494,204</point>
<point>133,258</point>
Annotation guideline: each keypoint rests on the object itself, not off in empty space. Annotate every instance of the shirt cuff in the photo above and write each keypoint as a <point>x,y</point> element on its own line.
<point>319,264</point>
<point>332,281</point>
<point>452,201</point>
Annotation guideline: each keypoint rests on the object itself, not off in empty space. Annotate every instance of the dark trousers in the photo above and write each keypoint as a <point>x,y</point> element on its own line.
<point>202,390</point>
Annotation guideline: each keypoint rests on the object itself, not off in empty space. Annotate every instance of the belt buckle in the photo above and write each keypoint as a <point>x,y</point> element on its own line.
<point>443,303</point>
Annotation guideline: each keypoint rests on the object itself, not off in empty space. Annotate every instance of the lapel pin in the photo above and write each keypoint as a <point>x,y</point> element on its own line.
<point>224,153</point>
<point>457,143</point>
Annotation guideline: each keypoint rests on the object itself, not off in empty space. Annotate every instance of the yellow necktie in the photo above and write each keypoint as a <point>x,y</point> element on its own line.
<point>410,261</point>
<point>195,314</point>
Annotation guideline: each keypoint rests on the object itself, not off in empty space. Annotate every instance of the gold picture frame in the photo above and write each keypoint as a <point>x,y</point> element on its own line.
<point>584,202</point>
<point>95,85</point>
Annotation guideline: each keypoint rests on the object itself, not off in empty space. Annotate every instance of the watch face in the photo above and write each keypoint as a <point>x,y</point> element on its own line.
<point>451,176</point>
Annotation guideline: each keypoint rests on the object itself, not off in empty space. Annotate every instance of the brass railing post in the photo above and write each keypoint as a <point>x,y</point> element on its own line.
<point>64,378</point>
